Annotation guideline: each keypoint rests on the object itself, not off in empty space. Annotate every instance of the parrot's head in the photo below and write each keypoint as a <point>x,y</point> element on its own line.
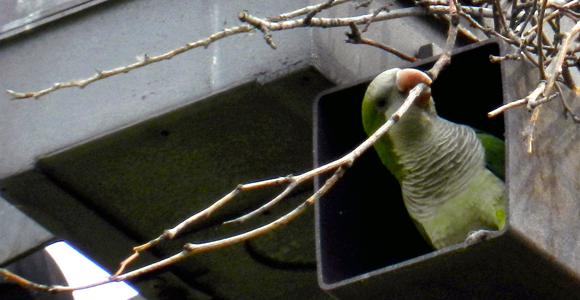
<point>384,95</point>
<point>387,92</point>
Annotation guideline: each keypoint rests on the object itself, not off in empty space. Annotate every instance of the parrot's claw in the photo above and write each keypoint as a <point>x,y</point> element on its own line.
<point>478,236</point>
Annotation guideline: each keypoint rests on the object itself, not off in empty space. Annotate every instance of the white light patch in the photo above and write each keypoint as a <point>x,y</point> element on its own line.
<point>79,270</point>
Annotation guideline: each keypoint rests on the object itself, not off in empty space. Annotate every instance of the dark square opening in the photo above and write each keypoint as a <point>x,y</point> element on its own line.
<point>362,223</point>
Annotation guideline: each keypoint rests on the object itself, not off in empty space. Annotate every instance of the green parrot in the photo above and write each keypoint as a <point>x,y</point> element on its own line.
<point>449,188</point>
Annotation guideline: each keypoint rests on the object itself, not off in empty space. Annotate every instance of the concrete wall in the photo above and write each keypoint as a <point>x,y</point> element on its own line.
<point>114,34</point>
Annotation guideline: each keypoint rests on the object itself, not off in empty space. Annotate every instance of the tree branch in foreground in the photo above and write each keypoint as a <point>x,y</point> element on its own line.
<point>339,166</point>
<point>530,44</point>
<point>254,23</point>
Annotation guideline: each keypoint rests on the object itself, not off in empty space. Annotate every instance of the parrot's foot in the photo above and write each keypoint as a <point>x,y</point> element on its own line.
<point>478,236</point>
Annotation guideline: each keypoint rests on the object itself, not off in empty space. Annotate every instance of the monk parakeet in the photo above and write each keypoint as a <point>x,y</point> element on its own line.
<point>448,186</point>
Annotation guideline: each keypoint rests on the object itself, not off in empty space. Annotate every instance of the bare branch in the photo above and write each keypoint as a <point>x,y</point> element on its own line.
<point>337,22</point>
<point>463,31</point>
<point>375,14</point>
<point>306,10</point>
<point>532,127</point>
<point>268,205</point>
<point>363,3</point>
<point>539,43</point>
<point>263,25</point>
<point>313,12</point>
<point>46,288</point>
<point>481,27</point>
<point>567,109</point>
<point>557,68</point>
<point>190,249</point>
<point>268,36</point>
<point>531,97</point>
<point>144,62</point>
<point>496,112</point>
<point>445,58</point>
<point>495,59</point>
<point>354,37</point>
<point>533,104</point>
<point>568,80</point>
<point>554,14</point>
<point>499,18</point>
<point>196,248</point>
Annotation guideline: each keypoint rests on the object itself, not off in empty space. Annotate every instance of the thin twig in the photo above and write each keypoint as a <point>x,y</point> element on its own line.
<point>445,57</point>
<point>196,248</point>
<point>567,109</point>
<point>568,80</point>
<point>306,10</point>
<point>171,233</point>
<point>539,43</point>
<point>482,27</point>
<point>333,22</point>
<point>313,12</point>
<point>531,97</point>
<point>49,288</point>
<point>268,205</point>
<point>533,104</point>
<point>375,14</point>
<point>532,127</point>
<point>496,59</point>
<point>527,18</point>
<point>554,14</point>
<point>268,37</point>
<point>354,37</point>
<point>363,3</point>
<point>463,31</point>
<point>505,107</point>
<point>561,56</point>
<point>499,18</point>
<point>147,60</point>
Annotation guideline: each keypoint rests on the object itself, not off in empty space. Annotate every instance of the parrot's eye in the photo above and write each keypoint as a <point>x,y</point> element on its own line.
<point>381,103</point>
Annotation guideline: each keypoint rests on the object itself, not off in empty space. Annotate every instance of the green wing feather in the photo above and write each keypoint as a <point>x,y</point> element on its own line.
<point>494,153</point>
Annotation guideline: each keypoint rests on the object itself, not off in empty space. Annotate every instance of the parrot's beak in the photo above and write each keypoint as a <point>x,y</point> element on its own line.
<point>407,79</point>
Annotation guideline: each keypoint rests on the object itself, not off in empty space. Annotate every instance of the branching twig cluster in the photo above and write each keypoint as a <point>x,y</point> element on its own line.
<point>526,25</point>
